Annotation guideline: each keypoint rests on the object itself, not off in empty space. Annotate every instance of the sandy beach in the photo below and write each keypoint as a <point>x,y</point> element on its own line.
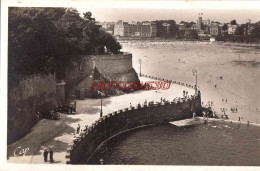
<point>238,66</point>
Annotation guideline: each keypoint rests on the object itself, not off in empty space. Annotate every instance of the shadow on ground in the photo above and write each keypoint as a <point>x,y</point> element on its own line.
<point>93,108</point>
<point>43,132</point>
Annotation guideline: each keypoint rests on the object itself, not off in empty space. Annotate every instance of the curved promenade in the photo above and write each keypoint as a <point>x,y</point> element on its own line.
<point>82,149</point>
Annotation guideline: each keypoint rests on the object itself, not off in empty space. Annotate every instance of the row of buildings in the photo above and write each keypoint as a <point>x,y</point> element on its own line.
<point>202,28</point>
<point>207,28</point>
<point>133,29</point>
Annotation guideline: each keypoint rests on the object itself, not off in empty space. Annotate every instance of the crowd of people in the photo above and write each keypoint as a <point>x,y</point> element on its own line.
<point>80,132</point>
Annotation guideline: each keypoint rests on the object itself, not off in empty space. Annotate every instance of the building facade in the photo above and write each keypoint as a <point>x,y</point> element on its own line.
<point>119,28</point>
<point>167,27</point>
<point>107,27</point>
<point>232,28</point>
<point>135,29</point>
<point>215,29</point>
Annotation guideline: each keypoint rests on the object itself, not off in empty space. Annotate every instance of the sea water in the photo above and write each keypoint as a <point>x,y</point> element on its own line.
<point>214,143</point>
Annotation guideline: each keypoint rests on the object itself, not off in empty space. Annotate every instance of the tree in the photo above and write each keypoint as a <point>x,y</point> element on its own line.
<point>225,27</point>
<point>256,32</point>
<point>194,34</point>
<point>240,29</point>
<point>34,43</point>
<point>87,16</point>
<point>162,31</point>
<point>44,40</point>
<point>233,22</point>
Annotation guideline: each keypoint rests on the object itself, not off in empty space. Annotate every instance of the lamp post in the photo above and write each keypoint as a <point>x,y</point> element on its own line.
<point>140,61</point>
<point>102,94</point>
<point>196,86</point>
<point>101,112</point>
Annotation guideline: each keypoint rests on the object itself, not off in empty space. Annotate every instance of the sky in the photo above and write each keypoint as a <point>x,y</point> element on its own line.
<point>137,14</point>
<point>132,10</point>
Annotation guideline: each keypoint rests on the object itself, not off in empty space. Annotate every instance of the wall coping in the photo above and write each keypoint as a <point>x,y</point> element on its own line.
<point>86,57</point>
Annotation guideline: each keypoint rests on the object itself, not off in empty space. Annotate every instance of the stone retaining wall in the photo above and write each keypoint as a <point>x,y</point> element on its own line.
<point>25,100</point>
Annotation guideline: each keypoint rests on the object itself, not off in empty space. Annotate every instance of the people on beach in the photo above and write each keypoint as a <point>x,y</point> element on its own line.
<point>45,155</point>
<point>78,129</point>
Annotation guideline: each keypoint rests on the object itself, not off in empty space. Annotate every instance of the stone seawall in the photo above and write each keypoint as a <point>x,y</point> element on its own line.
<point>82,149</point>
<point>109,64</point>
<point>80,77</point>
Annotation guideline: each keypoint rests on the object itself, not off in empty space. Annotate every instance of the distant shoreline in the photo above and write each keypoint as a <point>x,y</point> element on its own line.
<point>257,45</point>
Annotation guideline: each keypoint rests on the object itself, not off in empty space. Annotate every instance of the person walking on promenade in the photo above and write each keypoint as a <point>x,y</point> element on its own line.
<point>130,105</point>
<point>45,155</point>
<point>81,133</point>
<point>78,129</point>
<point>51,156</point>
<point>86,128</point>
<point>226,100</point>
<point>75,139</point>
